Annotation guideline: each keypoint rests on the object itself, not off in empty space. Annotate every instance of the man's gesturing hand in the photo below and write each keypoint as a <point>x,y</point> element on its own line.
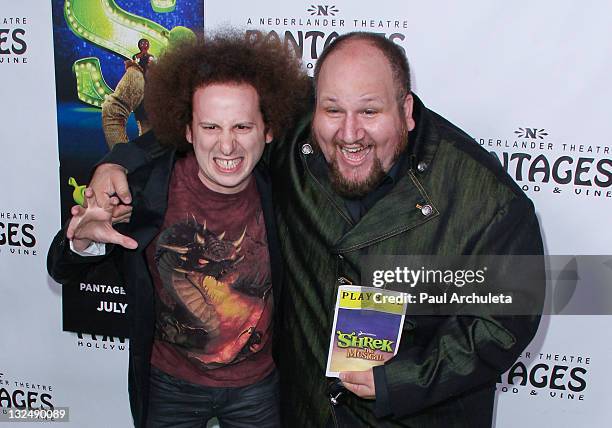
<point>94,222</point>
<point>110,186</point>
<point>360,383</point>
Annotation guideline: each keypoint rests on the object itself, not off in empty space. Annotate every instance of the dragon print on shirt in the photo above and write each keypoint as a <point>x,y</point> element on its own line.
<point>213,295</point>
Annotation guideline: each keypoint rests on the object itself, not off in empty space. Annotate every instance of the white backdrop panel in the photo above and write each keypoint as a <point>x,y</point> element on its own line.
<point>38,360</point>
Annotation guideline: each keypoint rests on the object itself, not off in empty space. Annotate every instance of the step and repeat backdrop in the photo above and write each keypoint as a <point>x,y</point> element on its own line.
<point>528,81</point>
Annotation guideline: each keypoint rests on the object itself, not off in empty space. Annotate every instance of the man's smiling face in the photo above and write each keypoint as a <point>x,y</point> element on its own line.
<point>359,125</point>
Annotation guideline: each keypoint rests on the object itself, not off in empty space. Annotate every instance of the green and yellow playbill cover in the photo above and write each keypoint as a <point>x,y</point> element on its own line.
<point>367,328</point>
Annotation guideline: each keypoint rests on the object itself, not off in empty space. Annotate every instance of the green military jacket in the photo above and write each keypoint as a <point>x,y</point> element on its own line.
<point>445,371</point>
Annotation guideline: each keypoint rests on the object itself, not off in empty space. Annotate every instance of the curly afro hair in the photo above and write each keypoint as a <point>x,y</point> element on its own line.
<point>227,57</point>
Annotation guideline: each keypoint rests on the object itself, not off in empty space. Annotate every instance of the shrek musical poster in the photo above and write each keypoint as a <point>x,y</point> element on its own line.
<point>102,49</point>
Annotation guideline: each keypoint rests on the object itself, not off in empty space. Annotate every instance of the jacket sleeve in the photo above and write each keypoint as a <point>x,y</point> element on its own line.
<point>140,152</point>
<point>65,266</point>
<point>467,352</point>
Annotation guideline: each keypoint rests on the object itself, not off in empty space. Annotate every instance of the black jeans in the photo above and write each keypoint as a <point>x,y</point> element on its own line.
<point>176,403</point>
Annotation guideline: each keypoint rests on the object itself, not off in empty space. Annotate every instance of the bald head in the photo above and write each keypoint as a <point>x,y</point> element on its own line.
<point>357,70</point>
<point>392,54</point>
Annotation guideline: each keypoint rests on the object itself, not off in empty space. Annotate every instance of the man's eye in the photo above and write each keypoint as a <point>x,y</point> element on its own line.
<point>209,127</point>
<point>243,127</point>
<point>332,110</point>
<point>369,112</point>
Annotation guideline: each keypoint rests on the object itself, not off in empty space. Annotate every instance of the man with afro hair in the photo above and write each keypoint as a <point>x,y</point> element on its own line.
<point>199,256</point>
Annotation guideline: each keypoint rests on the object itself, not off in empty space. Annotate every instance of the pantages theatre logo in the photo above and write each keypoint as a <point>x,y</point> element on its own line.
<point>24,393</point>
<point>13,40</point>
<point>18,233</point>
<point>540,163</point>
<point>314,27</point>
<point>548,376</point>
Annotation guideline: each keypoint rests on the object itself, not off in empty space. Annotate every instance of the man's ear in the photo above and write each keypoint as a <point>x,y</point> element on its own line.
<point>188,134</point>
<point>408,105</point>
<point>269,136</point>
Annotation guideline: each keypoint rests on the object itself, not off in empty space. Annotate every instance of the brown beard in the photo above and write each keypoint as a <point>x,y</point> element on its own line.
<point>351,189</point>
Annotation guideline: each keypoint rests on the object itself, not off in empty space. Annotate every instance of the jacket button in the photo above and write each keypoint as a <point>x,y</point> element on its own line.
<point>426,210</point>
<point>307,149</point>
<point>422,166</point>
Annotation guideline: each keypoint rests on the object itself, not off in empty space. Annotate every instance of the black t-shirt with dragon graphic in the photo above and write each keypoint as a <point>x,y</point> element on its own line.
<point>211,270</point>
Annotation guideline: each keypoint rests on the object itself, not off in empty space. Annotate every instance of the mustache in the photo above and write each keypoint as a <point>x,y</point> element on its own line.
<point>364,142</point>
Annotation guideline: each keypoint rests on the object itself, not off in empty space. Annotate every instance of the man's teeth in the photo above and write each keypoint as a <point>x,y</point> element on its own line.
<point>228,163</point>
<point>353,149</point>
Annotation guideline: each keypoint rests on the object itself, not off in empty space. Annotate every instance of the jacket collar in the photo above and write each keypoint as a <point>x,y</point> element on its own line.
<point>400,210</point>
<point>264,187</point>
<point>424,139</point>
<point>149,188</point>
